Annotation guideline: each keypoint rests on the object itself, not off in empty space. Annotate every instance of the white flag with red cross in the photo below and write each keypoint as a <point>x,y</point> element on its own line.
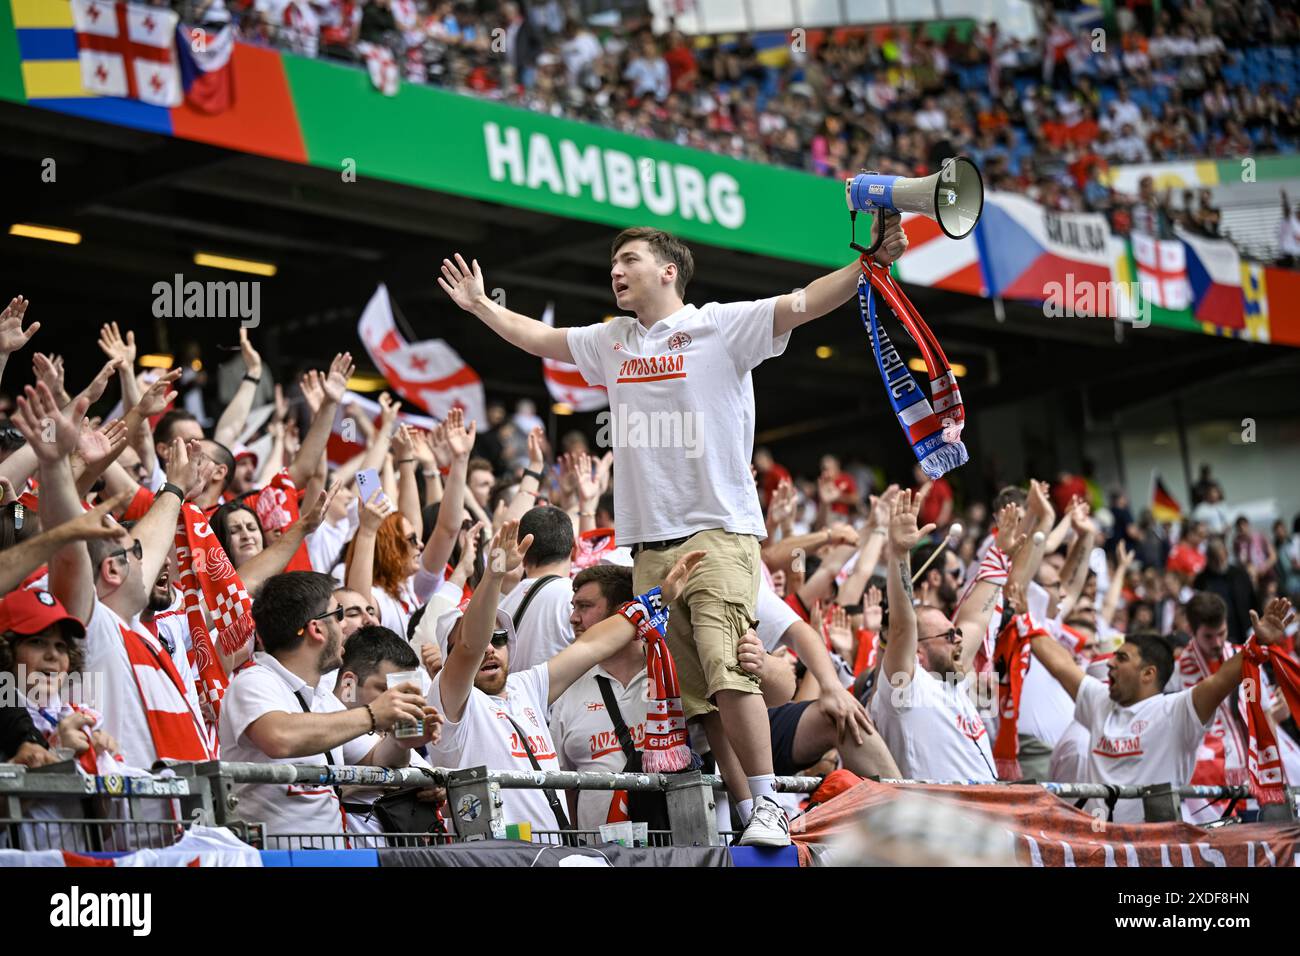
<point>128,50</point>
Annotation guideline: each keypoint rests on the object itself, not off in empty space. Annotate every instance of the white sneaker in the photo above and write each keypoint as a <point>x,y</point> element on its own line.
<point>767,825</point>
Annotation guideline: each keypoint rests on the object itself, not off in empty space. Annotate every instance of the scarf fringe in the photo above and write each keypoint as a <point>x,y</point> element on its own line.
<point>1009,769</point>
<point>944,459</point>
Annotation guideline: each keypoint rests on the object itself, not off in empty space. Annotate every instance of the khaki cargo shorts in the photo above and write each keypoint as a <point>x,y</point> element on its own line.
<point>706,623</point>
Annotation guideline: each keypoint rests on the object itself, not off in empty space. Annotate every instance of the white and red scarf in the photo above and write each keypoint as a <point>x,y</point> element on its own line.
<point>994,567</point>
<point>209,581</point>
<point>177,729</point>
<point>592,545</point>
<point>1264,761</point>
<point>667,747</point>
<point>1013,657</point>
<point>1225,746</point>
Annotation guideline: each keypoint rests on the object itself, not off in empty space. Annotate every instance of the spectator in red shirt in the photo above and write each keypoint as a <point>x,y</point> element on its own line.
<point>937,506</point>
<point>769,475</point>
<point>847,499</point>
<point>1187,557</point>
<point>1066,489</point>
<point>682,70</point>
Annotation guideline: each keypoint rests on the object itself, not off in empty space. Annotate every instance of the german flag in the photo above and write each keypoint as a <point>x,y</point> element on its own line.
<point>1164,507</point>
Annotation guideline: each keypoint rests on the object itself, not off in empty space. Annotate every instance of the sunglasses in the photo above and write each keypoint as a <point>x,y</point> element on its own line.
<point>500,638</point>
<point>952,636</point>
<point>136,550</point>
<point>338,614</point>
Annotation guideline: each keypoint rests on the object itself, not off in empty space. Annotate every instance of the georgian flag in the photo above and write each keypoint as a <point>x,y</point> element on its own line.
<point>565,382</point>
<point>127,50</point>
<point>381,65</point>
<point>1162,271</point>
<point>429,374</point>
<point>346,440</point>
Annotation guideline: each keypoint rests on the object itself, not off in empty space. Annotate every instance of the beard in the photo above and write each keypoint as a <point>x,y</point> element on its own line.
<point>159,601</point>
<point>492,684</point>
<point>331,658</point>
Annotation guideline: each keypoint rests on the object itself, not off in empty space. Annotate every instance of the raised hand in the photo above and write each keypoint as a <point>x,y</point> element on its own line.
<point>536,448</point>
<point>1039,506</point>
<point>506,552</point>
<point>113,345</point>
<point>51,433</point>
<point>97,524</point>
<point>843,534</point>
<point>463,283</point>
<point>281,412</point>
<point>336,381</point>
<point>1271,628</point>
<point>895,241</point>
<point>469,542</point>
<point>188,467</point>
<point>374,511</point>
<point>404,443</point>
<point>1079,512</point>
<point>588,484</point>
<point>459,438</point>
<point>95,390</point>
<point>49,369</point>
<point>1010,538</point>
<point>252,360</point>
<point>872,615</point>
<point>604,467</point>
<point>672,587</point>
<point>441,449</point>
<point>12,334</point>
<point>96,446</point>
<point>155,399</point>
<point>313,392</point>
<point>569,478</point>
<point>839,633</point>
<point>314,517</point>
<point>903,532</point>
<point>1123,558</point>
<point>388,409</point>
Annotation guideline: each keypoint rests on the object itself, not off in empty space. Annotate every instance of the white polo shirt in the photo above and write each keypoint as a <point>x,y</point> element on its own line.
<point>1153,741</point>
<point>265,686</point>
<point>681,424</point>
<point>484,736</point>
<point>932,729</point>
<point>544,630</point>
<point>585,735</point>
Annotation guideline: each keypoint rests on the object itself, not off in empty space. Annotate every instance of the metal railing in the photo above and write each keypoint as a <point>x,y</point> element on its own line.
<point>131,812</point>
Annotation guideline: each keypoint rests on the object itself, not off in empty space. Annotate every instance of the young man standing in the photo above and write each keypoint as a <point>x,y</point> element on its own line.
<point>690,366</point>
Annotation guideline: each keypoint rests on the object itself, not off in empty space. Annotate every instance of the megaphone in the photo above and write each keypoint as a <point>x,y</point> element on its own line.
<point>953,197</point>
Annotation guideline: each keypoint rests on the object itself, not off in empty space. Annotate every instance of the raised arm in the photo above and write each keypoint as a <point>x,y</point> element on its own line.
<point>52,435</point>
<point>505,554</point>
<point>976,608</point>
<point>873,545</point>
<point>611,635</point>
<point>1123,560</point>
<point>152,401</point>
<point>24,558</point>
<point>900,648</point>
<point>834,289</point>
<point>1269,629</point>
<point>408,489</point>
<point>458,442</point>
<point>1074,573</point>
<point>322,423</point>
<point>361,570</point>
<point>12,334</point>
<point>273,559</point>
<point>464,283</point>
<point>526,497</point>
<point>231,423</point>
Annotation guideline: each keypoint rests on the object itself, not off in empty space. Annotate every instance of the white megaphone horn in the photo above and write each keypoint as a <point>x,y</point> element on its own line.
<point>953,197</point>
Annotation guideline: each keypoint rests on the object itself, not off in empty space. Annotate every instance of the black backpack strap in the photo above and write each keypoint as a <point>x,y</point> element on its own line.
<point>616,718</point>
<point>560,817</point>
<point>528,598</point>
<point>329,758</point>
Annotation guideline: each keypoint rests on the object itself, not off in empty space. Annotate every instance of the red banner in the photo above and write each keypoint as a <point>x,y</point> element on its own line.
<point>1050,832</point>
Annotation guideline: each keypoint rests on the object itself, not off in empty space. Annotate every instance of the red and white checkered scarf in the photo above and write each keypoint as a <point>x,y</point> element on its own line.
<point>1267,777</point>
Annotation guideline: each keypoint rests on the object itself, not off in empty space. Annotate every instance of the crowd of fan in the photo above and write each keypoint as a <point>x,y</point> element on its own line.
<point>1045,118</point>
<point>346,592</point>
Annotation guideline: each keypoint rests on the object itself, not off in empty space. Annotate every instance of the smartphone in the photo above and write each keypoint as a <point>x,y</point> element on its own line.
<point>368,484</point>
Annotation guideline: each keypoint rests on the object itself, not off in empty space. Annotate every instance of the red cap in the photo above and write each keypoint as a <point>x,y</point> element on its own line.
<point>32,610</point>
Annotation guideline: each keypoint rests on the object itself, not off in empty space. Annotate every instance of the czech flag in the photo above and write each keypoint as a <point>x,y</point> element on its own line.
<point>204,58</point>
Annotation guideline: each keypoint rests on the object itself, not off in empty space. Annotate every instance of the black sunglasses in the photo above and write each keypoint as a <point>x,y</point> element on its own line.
<point>952,635</point>
<point>500,638</point>
<point>337,614</point>
<point>136,549</point>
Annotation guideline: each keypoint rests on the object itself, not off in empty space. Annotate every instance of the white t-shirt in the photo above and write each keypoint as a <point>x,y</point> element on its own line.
<point>932,729</point>
<point>1153,741</point>
<point>325,544</point>
<point>395,612</point>
<point>113,690</point>
<point>545,629</point>
<point>484,736</point>
<point>681,399</point>
<point>774,617</point>
<point>1070,755</point>
<point>264,687</point>
<point>586,739</point>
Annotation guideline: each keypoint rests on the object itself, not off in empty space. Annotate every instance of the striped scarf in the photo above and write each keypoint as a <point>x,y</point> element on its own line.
<point>935,442</point>
<point>209,581</point>
<point>666,741</point>
<point>177,729</point>
<point>1225,737</point>
<point>1013,658</point>
<point>1267,778</point>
